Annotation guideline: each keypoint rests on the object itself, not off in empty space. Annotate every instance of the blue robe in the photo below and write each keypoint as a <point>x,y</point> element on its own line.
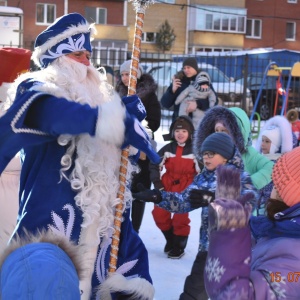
<point>32,125</point>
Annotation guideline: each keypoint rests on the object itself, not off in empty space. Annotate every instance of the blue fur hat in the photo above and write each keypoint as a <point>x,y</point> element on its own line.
<point>67,34</point>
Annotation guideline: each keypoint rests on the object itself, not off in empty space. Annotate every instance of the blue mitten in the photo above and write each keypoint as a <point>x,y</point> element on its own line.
<point>135,106</point>
<point>136,136</point>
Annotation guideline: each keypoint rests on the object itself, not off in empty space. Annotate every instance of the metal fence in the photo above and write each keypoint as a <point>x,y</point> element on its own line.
<point>236,76</point>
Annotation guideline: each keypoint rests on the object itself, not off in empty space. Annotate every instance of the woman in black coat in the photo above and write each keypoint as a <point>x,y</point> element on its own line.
<point>146,90</point>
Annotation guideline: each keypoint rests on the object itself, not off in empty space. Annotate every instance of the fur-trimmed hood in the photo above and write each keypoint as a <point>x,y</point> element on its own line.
<point>73,251</point>
<point>286,134</point>
<point>207,127</point>
<point>44,266</point>
<point>145,86</point>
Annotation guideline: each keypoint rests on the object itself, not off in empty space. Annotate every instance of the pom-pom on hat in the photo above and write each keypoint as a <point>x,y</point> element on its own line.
<point>292,115</point>
<point>274,135</point>
<point>191,62</point>
<point>285,176</point>
<point>69,33</point>
<point>220,143</point>
<point>125,67</point>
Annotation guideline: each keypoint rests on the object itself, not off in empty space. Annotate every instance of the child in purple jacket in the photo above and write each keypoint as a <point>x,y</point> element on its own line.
<point>235,269</point>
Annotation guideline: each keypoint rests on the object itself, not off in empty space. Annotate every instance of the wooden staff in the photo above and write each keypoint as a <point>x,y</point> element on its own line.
<point>140,7</point>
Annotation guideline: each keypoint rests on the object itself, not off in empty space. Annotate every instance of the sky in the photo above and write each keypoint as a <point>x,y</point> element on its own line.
<point>168,274</point>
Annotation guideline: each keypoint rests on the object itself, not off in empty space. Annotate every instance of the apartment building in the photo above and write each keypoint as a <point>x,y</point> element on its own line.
<point>199,25</point>
<point>273,23</point>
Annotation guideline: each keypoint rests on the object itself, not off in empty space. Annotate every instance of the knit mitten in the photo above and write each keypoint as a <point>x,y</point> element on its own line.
<point>229,210</point>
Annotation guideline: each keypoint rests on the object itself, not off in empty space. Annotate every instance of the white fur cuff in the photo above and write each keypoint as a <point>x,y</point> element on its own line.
<point>138,287</point>
<point>110,125</point>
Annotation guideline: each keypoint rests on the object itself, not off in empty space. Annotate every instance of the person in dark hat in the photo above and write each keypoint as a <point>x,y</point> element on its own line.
<point>71,127</point>
<point>217,149</point>
<point>180,168</point>
<point>180,82</point>
<point>201,91</point>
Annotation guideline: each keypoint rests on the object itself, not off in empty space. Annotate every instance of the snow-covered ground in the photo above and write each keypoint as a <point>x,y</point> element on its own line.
<point>168,275</point>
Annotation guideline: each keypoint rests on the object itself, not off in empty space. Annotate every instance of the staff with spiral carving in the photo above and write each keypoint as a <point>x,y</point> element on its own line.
<point>140,7</point>
<point>70,126</point>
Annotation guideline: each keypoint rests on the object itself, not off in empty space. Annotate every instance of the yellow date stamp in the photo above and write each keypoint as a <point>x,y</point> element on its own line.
<point>291,277</point>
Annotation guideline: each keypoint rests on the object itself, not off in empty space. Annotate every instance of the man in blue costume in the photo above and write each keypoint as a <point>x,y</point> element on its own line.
<point>70,127</point>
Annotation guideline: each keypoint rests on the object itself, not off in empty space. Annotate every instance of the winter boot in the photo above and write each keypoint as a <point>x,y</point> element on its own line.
<point>169,238</point>
<point>179,244</point>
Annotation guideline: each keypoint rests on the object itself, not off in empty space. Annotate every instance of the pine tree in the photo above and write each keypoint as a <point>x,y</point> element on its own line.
<point>165,37</point>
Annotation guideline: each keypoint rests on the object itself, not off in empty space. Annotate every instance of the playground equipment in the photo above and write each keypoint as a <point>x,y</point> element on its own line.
<point>274,70</point>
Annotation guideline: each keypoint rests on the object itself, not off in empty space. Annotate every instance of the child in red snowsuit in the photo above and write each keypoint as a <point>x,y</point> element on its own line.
<point>179,166</point>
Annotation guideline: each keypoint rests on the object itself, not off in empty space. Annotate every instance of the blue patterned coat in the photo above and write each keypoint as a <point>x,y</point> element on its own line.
<point>206,180</point>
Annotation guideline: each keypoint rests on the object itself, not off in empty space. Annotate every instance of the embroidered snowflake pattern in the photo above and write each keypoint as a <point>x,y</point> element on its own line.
<point>232,291</point>
<point>101,270</point>
<point>214,270</point>
<point>141,107</point>
<point>59,227</point>
<point>71,46</point>
<point>277,287</point>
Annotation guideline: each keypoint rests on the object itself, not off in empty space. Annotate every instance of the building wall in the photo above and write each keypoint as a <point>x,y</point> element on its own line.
<point>114,9</point>
<point>234,3</point>
<point>31,29</point>
<point>274,15</point>
<point>217,39</point>
<point>155,15</point>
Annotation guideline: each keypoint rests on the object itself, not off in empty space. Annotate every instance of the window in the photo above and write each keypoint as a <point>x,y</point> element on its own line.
<point>149,37</point>
<point>45,13</point>
<point>253,29</point>
<point>96,15</point>
<point>290,34</point>
<point>292,1</point>
<point>109,52</point>
<point>217,18</point>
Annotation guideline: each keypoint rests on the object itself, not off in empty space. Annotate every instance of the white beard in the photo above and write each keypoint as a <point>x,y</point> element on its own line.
<point>95,176</point>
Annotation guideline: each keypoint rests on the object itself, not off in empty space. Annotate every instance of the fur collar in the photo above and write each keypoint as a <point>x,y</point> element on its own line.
<point>207,127</point>
<point>72,250</point>
<point>145,86</point>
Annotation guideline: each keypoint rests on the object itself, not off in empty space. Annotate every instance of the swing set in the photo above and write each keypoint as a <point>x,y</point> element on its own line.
<point>275,71</point>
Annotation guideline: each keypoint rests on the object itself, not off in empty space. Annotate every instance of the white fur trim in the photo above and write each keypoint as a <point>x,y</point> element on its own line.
<point>3,91</point>
<point>139,288</point>
<point>286,133</point>
<point>110,126</point>
<point>70,31</point>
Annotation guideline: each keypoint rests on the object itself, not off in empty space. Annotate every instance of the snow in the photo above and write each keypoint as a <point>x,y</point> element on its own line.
<point>168,275</point>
